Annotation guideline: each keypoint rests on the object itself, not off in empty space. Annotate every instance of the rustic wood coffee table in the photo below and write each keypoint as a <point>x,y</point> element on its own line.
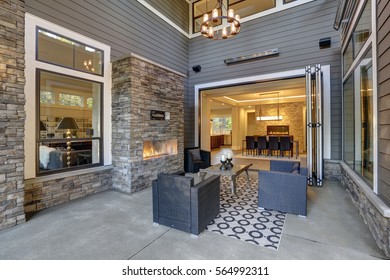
<point>232,174</point>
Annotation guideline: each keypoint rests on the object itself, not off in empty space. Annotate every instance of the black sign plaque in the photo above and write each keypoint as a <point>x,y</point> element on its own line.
<point>157,115</point>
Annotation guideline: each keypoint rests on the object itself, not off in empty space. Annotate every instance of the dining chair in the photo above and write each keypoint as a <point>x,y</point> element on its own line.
<point>250,145</point>
<point>273,145</point>
<point>262,145</point>
<point>285,146</point>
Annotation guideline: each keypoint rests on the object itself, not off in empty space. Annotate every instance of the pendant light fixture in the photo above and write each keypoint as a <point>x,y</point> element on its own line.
<point>278,117</point>
<point>210,22</point>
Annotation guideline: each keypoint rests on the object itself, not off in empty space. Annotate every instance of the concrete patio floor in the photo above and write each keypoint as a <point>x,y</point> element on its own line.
<point>114,225</point>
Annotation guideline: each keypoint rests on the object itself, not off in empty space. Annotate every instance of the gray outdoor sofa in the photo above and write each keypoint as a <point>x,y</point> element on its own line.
<point>284,187</point>
<point>180,204</point>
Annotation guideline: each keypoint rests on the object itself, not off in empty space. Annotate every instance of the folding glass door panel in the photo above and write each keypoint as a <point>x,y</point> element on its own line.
<point>314,124</point>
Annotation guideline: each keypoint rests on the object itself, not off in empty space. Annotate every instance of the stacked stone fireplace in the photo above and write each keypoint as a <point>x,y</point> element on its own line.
<point>142,146</point>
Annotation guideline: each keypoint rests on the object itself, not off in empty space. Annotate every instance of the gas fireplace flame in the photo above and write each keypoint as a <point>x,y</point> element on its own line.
<point>158,148</point>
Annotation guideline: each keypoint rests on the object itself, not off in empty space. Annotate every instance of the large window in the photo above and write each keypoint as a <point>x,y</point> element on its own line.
<point>358,114</point>
<point>360,35</point>
<point>358,119</point>
<point>244,8</point>
<point>199,8</point>
<point>69,134</point>
<point>221,125</point>
<point>66,82</point>
<point>250,7</point>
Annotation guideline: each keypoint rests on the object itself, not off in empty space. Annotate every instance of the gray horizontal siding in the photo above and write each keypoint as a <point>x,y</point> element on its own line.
<point>295,32</point>
<point>127,26</point>
<point>383,25</point>
<point>176,10</point>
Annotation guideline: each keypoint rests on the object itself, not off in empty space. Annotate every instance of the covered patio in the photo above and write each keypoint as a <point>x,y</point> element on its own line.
<point>114,225</point>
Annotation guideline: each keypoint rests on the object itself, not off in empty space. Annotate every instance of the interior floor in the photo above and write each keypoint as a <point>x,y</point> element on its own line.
<point>258,162</point>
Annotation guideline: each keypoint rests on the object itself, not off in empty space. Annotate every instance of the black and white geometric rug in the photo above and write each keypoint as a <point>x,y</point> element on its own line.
<point>241,219</point>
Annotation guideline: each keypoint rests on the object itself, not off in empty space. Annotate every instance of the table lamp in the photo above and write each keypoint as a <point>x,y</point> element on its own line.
<point>68,124</point>
<point>42,126</point>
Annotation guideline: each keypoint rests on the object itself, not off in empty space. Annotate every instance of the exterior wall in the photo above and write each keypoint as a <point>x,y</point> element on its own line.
<point>383,12</point>
<point>332,170</point>
<point>378,224</point>
<point>372,207</point>
<point>126,26</point>
<point>176,10</point>
<point>44,192</point>
<point>295,32</point>
<point>12,114</point>
<point>138,88</point>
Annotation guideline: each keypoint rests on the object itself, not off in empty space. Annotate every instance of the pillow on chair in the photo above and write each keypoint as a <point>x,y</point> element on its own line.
<point>296,169</point>
<point>195,154</point>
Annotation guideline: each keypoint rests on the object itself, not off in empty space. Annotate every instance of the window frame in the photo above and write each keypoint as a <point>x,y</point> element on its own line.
<point>30,139</point>
<point>356,124</point>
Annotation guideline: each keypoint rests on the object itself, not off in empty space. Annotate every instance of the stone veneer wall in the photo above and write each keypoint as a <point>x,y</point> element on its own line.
<point>12,114</point>
<point>44,192</point>
<point>138,88</point>
<point>292,114</point>
<point>378,224</point>
<point>332,170</point>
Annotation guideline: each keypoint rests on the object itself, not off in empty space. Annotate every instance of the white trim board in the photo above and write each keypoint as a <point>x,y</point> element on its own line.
<point>163,17</point>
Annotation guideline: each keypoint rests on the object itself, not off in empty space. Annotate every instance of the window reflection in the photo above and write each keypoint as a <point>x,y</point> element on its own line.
<point>251,7</point>
<point>68,122</point>
<point>366,112</point>
<point>348,57</point>
<point>349,132</point>
<point>358,119</point>
<point>73,54</point>
<point>363,29</point>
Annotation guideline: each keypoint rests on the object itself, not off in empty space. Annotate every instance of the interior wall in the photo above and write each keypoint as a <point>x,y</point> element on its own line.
<point>251,123</point>
<point>292,116</point>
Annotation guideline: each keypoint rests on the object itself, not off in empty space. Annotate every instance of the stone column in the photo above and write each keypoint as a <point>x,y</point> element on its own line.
<point>12,114</point>
<point>121,99</point>
<point>138,88</point>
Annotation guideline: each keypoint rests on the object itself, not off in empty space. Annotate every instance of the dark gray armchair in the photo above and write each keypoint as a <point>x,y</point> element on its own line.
<point>284,187</point>
<point>180,204</point>
<point>195,158</point>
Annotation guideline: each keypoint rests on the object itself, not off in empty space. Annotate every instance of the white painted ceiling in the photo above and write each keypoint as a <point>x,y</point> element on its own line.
<point>272,92</point>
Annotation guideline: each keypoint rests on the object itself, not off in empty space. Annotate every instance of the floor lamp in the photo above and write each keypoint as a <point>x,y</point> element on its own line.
<point>68,124</point>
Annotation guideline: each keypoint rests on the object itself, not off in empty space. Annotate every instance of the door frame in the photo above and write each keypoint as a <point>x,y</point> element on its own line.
<point>268,77</point>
